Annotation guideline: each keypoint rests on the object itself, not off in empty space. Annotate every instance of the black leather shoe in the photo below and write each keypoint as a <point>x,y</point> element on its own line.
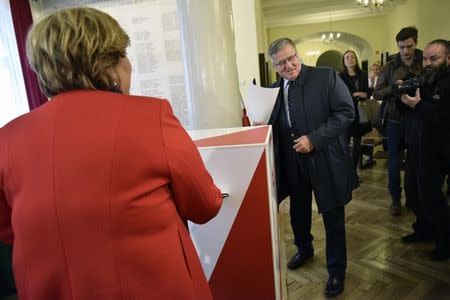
<point>415,238</point>
<point>300,258</point>
<point>334,287</point>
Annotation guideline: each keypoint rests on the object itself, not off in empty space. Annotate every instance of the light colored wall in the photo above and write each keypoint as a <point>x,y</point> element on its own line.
<point>318,46</point>
<point>246,42</point>
<point>430,17</point>
<point>261,30</point>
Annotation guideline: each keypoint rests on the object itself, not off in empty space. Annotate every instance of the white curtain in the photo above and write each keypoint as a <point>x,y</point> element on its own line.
<point>13,97</point>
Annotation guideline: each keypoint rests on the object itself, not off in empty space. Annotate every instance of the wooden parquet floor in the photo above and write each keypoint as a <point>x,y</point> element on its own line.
<point>379,266</point>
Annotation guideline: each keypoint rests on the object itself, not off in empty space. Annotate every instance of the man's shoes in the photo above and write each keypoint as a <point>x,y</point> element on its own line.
<point>334,287</point>
<point>395,209</point>
<point>300,258</point>
<point>439,254</point>
<point>415,238</point>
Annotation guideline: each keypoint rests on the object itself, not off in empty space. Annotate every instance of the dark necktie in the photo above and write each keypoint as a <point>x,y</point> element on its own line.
<point>291,105</point>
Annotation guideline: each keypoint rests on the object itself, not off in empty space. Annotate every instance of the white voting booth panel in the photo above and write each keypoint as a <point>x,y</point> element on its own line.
<point>239,248</point>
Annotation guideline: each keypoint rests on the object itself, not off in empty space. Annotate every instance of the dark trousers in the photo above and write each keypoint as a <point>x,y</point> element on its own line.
<point>434,202</point>
<point>414,192</point>
<point>395,139</point>
<point>301,212</point>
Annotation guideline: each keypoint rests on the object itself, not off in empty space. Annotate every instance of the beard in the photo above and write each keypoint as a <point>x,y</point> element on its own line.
<point>429,74</point>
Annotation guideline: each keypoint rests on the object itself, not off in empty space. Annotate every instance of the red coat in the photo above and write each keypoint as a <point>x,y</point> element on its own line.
<point>94,191</point>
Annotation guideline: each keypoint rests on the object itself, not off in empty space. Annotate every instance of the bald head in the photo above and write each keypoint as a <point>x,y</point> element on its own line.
<point>436,54</point>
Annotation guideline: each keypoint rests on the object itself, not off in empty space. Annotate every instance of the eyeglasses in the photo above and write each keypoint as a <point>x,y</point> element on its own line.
<point>282,63</point>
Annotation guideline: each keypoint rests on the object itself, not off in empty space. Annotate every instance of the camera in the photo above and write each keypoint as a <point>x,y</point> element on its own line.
<point>408,86</point>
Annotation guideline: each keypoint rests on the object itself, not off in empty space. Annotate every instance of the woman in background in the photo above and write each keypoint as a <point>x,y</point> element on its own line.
<point>96,185</point>
<point>356,81</point>
<point>374,70</point>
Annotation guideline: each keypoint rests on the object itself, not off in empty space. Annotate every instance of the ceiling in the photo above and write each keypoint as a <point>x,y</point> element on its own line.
<point>278,13</point>
<point>293,12</point>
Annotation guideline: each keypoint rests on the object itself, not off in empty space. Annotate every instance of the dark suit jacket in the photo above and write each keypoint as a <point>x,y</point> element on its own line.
<point>325,104</point>
<point>433,112</point>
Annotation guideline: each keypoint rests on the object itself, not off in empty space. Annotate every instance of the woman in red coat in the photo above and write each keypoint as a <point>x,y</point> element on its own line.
<point>96,185</point>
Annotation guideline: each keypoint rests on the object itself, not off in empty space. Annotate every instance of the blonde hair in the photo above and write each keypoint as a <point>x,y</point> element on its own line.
<point>76,48</point>
<point>375,65</point>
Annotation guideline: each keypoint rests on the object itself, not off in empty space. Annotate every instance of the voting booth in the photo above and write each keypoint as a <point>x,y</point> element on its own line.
<point>239,248</point>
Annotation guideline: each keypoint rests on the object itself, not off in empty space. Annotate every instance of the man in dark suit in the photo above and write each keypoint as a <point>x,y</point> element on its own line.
<point>309,119</point>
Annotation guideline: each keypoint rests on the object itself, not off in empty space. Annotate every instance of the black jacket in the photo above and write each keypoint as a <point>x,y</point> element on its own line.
<point>360,84</point>
<point>325,108</point>
<point>433,111</point>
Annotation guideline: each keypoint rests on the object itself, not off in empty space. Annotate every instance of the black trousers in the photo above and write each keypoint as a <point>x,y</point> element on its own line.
<point>301,213</point>
<point>414,192</point>
<point>436,209</point>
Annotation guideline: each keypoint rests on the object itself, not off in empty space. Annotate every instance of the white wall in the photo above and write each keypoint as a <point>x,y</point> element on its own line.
<point>430,17</point>
<point>261,30</point>
<point>246,42</point>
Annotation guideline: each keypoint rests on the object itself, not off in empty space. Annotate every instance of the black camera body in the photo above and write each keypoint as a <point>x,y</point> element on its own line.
<point>408,86</point>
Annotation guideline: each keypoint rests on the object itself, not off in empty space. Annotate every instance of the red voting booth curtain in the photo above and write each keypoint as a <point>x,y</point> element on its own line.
<point>22,20</point>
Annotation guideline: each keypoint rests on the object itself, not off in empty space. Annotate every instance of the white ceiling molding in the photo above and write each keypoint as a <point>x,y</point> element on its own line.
<point>278,13</point>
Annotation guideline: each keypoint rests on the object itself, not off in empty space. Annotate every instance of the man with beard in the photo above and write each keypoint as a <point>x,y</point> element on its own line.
<point>431,106</point>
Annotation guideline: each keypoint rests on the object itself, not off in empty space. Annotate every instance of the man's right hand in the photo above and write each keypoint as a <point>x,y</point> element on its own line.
<point>303,145</point>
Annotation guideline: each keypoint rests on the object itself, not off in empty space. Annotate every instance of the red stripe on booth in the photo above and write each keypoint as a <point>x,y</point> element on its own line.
<point>248,273</point>
<point>253,136</point>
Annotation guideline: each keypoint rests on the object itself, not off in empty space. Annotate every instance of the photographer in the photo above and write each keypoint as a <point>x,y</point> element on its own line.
<point>407,62</point>
<point>431,107</point>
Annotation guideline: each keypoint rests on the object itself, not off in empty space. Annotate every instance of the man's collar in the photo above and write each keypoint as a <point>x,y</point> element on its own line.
<point>301,78</point>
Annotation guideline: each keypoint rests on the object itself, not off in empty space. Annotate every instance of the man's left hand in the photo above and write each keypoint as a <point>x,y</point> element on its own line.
<point>303,145</point>
<point>411,101</point>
